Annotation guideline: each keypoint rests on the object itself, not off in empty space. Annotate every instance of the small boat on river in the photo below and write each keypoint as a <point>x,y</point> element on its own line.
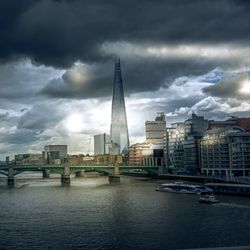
<point>180,187</point>
<point>208,199</point>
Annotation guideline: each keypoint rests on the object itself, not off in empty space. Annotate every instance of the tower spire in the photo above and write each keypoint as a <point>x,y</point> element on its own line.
<point>119,127</point>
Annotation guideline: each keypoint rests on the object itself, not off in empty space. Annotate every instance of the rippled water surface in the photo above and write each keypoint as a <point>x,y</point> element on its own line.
<point>92,214</point>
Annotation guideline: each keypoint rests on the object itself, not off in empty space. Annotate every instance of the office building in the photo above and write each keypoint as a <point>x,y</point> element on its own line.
<point>55,154</point>
<point>156,130</point>
<point>101,144</point>
<point>119,129</point>
<point>150,152</point>
<point>243,122</point>
<point>225,152</point>
<point>146,154</point>
<point>183,149</point>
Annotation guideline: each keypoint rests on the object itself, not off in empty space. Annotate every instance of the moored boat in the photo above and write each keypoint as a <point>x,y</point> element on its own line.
<point>180,187</point>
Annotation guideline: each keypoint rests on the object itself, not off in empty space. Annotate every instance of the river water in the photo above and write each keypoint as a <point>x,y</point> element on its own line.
<point>92,214</point>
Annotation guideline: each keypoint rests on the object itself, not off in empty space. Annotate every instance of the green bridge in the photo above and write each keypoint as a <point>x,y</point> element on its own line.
<point>113,172</point>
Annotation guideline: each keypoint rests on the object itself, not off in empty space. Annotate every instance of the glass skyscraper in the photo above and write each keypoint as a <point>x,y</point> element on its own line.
<point>119,128</point>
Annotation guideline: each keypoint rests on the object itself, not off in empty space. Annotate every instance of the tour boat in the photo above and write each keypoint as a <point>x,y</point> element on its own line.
<point>180,187</point>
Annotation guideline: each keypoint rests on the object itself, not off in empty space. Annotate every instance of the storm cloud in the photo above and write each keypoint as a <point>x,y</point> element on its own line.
<point>57,66</point>
<point>156,40</point>
<point>236,86</point>
<point>60,32</point>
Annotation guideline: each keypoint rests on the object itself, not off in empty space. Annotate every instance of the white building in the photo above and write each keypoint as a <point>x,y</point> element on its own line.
<point>101,144</point>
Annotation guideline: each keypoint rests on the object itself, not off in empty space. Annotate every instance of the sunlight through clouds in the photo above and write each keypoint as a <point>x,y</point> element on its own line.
<point>74,123</point>
<point>216,51</point>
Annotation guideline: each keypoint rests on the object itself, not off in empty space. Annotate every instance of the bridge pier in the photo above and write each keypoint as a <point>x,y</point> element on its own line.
<point>65,177</point>
<point>116,170</point>
<point>114,179</point>
<point>11,179</point>
<point>46,173</point>
<point>162,170</point>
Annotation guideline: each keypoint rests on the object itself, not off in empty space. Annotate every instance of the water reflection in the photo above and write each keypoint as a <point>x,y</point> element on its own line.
<point>92,214</point>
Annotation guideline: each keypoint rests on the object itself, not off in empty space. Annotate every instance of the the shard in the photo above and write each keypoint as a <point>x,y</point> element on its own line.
<point>119,128</point>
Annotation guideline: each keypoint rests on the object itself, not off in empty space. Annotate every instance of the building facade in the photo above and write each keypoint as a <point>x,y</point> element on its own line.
<point>182,144</point>
<point>225,152</point>
<point>108,159</point>
<point>150,152</point>
<point>101,144</point>
<point>156,130</point>
<point>243,122</point>
<point>29,159</point>
<point>55,154</point>
<point>119,128</point>
<point>146,154</point>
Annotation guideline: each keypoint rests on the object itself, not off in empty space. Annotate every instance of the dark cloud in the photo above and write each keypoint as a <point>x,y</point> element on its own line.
<point>4,116</point>
<point>22,136</point>
<point>22,80</point>
<point>231,87</point>
<point>60,32</point>
<point>146,74</point>
<point>164,46</point>
<point>40,117</point>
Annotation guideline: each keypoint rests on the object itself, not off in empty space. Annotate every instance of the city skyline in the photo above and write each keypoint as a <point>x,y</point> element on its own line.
<point>56,67</point>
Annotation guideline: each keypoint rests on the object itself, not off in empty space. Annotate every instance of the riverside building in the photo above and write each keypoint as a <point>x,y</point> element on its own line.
<point>182,144</point>
<point>225,152</point>
<point>150,152</point>
<point>156,130</point>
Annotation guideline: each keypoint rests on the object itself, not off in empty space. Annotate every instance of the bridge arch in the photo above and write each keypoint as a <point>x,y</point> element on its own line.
<point>102,171</point>
<point>3,173</point>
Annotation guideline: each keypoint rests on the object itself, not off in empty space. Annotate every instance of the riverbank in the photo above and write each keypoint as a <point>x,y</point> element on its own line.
<point>193,178</point>
<point>229,188</point>
<point>216,185</point>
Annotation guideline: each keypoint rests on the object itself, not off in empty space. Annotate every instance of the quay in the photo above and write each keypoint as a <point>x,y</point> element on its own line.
<point>219,185</point>
<point>230,188</point>
<point>193,178</point>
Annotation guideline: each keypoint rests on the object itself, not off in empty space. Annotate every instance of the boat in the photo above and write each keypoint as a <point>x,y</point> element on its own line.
<point>208,199</point>
<point>180,187</point>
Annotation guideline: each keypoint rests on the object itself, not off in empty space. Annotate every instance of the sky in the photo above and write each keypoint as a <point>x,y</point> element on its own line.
<point>57,66</point>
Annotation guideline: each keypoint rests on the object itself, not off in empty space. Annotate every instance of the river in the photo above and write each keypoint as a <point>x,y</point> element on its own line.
<point>92,214</point>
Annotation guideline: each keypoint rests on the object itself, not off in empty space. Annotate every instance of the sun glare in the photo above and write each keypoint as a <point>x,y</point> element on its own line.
<point>245,89</point>
<point>74,123</point>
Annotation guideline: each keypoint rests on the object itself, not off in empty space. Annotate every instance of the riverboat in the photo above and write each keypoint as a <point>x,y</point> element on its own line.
<point>180,187</point>
<point>208,199</point>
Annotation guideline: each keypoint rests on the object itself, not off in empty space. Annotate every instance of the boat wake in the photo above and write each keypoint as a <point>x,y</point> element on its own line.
<point>233,205</point>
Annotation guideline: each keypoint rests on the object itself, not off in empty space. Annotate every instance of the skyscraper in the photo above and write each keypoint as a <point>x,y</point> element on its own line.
<point>119,127</point>
<point>101,144</point>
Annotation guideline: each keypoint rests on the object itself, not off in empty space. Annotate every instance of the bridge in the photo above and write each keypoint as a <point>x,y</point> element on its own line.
<point>113,172</point>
